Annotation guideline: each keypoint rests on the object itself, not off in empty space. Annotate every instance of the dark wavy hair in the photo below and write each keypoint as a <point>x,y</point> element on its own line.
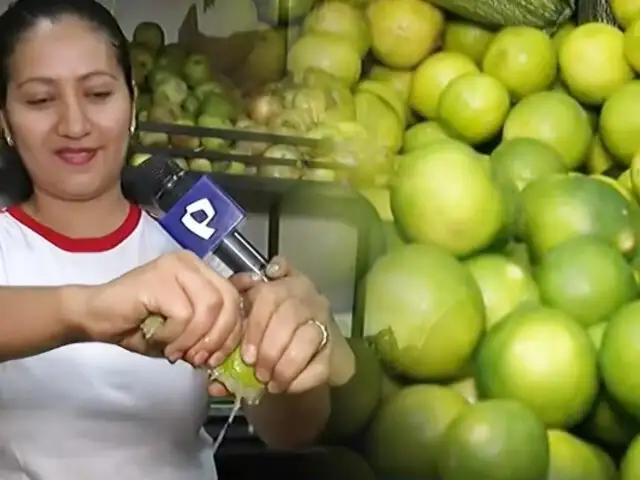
<point>15,22</point>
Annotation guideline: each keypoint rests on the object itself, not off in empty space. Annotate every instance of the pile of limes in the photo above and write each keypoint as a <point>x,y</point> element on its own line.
<point>506,313</point>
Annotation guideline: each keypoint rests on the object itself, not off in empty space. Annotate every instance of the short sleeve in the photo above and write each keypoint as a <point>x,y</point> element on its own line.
<point>4,277</point>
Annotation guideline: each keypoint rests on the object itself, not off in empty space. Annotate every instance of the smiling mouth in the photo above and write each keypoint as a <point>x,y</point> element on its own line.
<point>76,156</point>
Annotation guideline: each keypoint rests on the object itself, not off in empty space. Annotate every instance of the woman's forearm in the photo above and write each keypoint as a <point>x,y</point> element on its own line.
<point>34,320</point>
<point>290,421</point>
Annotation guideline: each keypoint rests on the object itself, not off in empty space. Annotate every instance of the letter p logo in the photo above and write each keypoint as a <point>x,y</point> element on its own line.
<point>197,217</point>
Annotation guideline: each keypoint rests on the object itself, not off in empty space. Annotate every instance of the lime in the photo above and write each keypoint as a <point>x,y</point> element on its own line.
<point>630,466</point>
<point>386,92</point>
<point>523,59</point>
<point>620,123</point>
<point>625,11</point>
<point>423,312</point>
<point>618,357</point>
<point>608,423</point>
<point>613,183</point>
<point>432,76</point>
<point>327,52</point>
<point>504,284</point>
<point>543,358</point>
<point>587,279</point>
<point>404,437</point>
<point>495,440</point>
<point>380,120</point>
<point>404,32</point>
<point>634,174</point>
<point>593,63</point>
<point>470,39</point>
<point>632,45</point>
<point>598,159</point>
<point>340,19</point>
<point>474,107</point>
<point>562,33</point>
<point>443,195</point>
<point>399,80</point>
<point>520,161</point>
<point>353,404</point>
<point>423,134</point>
<point>571,458</point>
<point>558,208</point>
<point>239,378</point>
<point>553,118</point>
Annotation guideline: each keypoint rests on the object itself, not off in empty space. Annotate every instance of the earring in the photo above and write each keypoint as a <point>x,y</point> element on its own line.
<point>132,127</point>
<point>8,138</point>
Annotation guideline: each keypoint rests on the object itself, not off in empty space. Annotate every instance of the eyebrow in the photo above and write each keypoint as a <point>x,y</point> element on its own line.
<point>86,76</point>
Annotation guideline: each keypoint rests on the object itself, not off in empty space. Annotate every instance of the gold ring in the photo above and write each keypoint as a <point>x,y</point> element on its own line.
<point>324,331</point>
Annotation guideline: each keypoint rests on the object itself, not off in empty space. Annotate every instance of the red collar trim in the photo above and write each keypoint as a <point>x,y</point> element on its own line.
<point>80,245</point>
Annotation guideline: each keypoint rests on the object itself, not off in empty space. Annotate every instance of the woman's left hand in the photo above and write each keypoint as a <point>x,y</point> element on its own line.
<point>288,330</point>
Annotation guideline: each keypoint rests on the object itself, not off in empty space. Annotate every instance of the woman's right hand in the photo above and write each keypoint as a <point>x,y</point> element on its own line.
<point>201,308</point>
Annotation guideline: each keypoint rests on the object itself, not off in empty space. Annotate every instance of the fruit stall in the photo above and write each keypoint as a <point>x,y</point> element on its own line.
<point>487,156</point>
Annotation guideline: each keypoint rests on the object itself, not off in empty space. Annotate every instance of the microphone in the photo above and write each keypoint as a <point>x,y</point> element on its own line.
<point>196,213</point>
<point>202,218</point>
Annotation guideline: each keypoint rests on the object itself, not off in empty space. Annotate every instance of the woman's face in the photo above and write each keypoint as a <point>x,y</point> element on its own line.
<point>68,109</point>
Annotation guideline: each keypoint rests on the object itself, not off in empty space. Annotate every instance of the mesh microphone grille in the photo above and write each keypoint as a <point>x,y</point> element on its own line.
<point>146,180</point>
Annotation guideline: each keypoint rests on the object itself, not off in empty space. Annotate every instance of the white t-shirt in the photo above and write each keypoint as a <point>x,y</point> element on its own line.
<point>95,411</point>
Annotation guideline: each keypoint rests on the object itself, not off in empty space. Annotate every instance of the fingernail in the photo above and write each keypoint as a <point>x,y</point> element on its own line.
<point>274,388</point>
<point>272,269</point>
<point>200,359</point>
<point>256,277</point>
<point>216,359</point>
<point>262,375</point>
<point>249,354</point>
<point>174,357</point>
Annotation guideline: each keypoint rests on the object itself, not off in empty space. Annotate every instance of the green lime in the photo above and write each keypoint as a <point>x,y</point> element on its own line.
<point>468,38</point>
<point>520,161</point>
<point>523,59</point>
<point>474,107</point>
<point>618,357</point>
<point>504,284</point>
<point>593,63</point>
<point>495,440</point>
<point>561,207</point>
<point>587,279</point>
<point>404,437</point>
<point>239,378</point>
<point>431,78</point>
<point>442,194</point>
<point>544,359</point>
<point>423,312</point>
<point>553,118</point>
<point>574,459</point>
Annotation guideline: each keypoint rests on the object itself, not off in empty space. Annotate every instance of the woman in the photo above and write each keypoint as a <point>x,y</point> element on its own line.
<point>82,394</point>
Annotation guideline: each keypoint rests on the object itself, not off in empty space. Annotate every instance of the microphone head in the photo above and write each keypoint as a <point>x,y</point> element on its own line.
<point>148,179</point>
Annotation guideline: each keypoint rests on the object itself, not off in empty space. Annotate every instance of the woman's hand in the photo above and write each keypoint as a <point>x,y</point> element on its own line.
<point>287,330</point>
<point>201,308</point>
